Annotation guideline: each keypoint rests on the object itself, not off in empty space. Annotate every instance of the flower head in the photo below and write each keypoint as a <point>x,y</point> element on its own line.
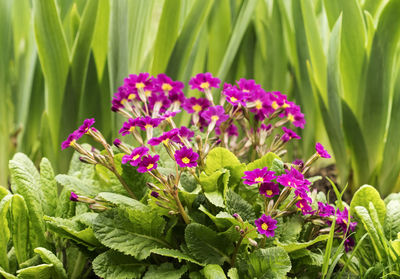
<point>293,178</point>
<point>258,176</point>
<point>159,102</point>
<point>164,83</point>
<point>148,163</point>
<point>304,206</point>
<point>117,142</point>
<point>248,85</point>
<point>69,141</point>
<point>294,115</point>
<point>325,210</point>
<point>269,189</point>
<point>154,194</point>
<point>165,138</point>
<point>147,122</point>
<point>195,105</point>
<point>215,114</point>
<point>259,102</point>
<point>288,135</point>
<point>186,133</point>
<point>266,225</point>
<point>342,219</point>
<point>186,157</point>
<point>84,128</point>
<point>233,95</point>
<point>322,151</point>
<point>128,126</point>
<point>143,81</point>
<point>136,155</point>
<point>232,131</point>
<point>203,82</point>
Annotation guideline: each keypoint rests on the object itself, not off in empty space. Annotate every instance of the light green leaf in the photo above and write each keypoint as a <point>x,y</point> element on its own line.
<point>165,270</point>
<point>236,204</point>
<point>49,258</point>
<point>115,265</point>
<point>25,181</point>
<point>233,273</point>
<point>264,161</point>
<point>42,271</point>
<point>100,37</point>
<point>209,183</point>
<point>118,199</point>
<point>6,275</point>
<point>131,231</point>
<point>364,196</point>
<point>175,254</point>
<point>3,192</point>
<point>216,198</point>
<point>20,228</point>
<point>219,158</point>
<point>205,244</point>
<point>4,231</point>
<point>268,263</point>
<point>48,185</point>
<point>213,271</point>
<point>294,246</point>
<point>85,187</point>
<point>392,222</point>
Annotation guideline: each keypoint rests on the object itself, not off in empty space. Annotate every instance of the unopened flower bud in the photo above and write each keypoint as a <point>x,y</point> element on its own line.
<point>152,186</point>
<point>237,228</point>
<point>155,194</point>
<point>87,160</point>
<point>98,207</point>
<point>237,217</point>
<point>252,242</point>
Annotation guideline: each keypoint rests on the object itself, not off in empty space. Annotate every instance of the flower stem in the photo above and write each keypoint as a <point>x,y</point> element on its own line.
<point>234,255</point>
<point>181,209</point>
<point>124,184</point>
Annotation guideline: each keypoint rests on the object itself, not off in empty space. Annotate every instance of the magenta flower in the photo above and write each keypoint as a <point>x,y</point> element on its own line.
<point>342,220</point>
<point>289,134</point>
<point>74,197</point>
<point>128,126</point>
<point>193,105</point>
<point>165,138</point>
<point>154,194</point>
<point>325,210</point>
<point>205,81</point>
<point>258,176</point>
<point>186,157</point>
<point>117,142</point>
<point>269,189</point>
<point>147,122</point>
<point>298,162</point>
<point>142,81</point>
<point>304,206</point>
<point>266,225</point>
<point>170,114</point>
<point>294,115</point>
<point>136,155</point>
<point>259,103</point>
<point>233,95</point>
<point>84,128</point>
<point>279,100</point>
<point>264,127</point>
<point>124,95</point>
<point>164,83</point>
<point>248,86</point>
<point>293,178</point>
<point>215,114</point>
<point>349,243</point>
<point>232,131</point>
<point>322,151</point>
<point>69,141</point>
<point>159,102</point>
<point>186,133</point>
<point>148,163</point>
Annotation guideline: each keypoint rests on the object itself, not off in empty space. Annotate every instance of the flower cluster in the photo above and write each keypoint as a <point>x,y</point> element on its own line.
<point>77,134</point>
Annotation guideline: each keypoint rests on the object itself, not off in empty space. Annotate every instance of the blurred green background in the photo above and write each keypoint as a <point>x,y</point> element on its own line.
<point>62,60</point>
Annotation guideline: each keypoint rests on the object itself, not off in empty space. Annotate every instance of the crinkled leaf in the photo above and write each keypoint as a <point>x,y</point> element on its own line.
<point>49,258</point>
<point>236,204</point>
<point>264,161</point>
<point>118,199</point>
<point>6,275</point>
<point>213,271</point>
<point>80,169</point>
<point>3,192</point>
<point>219,158</point>
<point>271,262</point>
<point>233,273</point>
<point>42,271</point>
<point>115,265</point>
<point>20,228</point>
<point>174,254</point>
<point>209,183</point>
<point>215,198</point>
<point>364,196</point>
<point>48,185</point>
<point>294,246</point>
<point>392,223</point>
<point>134,232</point>
<point>206,245</point>
<point>277,167</point>
<point>4,230</point>
<point>165,271</point>
<point>85,187</point>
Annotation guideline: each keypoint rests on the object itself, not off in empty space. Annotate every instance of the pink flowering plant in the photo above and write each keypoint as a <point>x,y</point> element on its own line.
<point>214,192</point>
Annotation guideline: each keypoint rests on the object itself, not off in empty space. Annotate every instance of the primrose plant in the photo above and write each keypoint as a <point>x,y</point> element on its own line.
<point>219,190</point>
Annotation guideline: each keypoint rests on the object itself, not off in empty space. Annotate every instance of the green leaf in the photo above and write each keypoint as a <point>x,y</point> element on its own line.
<point>73,230</point>
<point>236,204</point>
<point>4,231</point>
<point>115,265</point>
<point>85,187</point>
<point>118,199</point>
<point>49,258</point>
<point>25,181</point>
<point>205,244</point>
<point>219,158</point>
<point>165,270</point>
<point>48,185</point>
<point>3,192</point>
<point>42,271</point>
<point>264,161</point>
<point>100,37</point>
<point>392,222</point>
<point>268,263</point>
<point>277,167</point>
<point>6,275</point>
<point>134,232</point>
<point>233,273</point>
<point>294,246</point>
<point>175,254</point>
<point>20,228</point>
<point>364,196</point>
<point>213,271</point>
<point>209,183</point>
<point>216,198</point>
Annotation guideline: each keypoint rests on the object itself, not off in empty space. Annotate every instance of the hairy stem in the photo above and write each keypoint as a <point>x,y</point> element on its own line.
<point>234,255</point>
<point>180,208</point>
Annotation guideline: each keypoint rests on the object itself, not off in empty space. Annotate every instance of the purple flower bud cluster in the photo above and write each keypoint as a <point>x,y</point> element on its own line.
<point>77,134</point>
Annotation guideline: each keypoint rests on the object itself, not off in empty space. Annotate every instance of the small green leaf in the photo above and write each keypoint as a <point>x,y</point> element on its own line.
<point>48,185</point>
<point>115,265</point>
<point>268,263</point>
<point>277,167</point>
<point>364,196</point>
<point>165,270</point>
<point>49,258</point>
<point>175,254</point>
<point>219,158</point>
<point>265,161</point>
<point>213,271</point>
<point>236,204</point>
<point>20,228</point>
<point>392,223</point>
<point>209,183</point>
<point>41,271</point>
<point>205,244</point>
<point>233,273</point>
<point>294,246</point>
<point>4,231</point>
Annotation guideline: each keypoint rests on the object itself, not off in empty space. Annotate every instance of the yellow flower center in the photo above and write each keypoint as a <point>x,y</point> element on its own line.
<point>72,142</point>
<point>148,126</point>
<point>215,118</point>
<point>147,93</point>
<point>259,179</point>
<point>131,129</point>
<point>245,90</point>
<point>140,85</point>
<point>233,99</point>
<point>264,227</point>
<point>166,87</point>
<point>197,108</point>
<point>150,166</point>
<point>258,104</point>
<point>165,141</point>
<point>185,160</point>
<point>132,96</point>
<point>290,117</point>
<point>301,205</point>
<point>269,192</point>
<point>135,157</point>
<point>124,101</point>
<point>285,105</point>
<point>205,85</point>
<point>274,105</point>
